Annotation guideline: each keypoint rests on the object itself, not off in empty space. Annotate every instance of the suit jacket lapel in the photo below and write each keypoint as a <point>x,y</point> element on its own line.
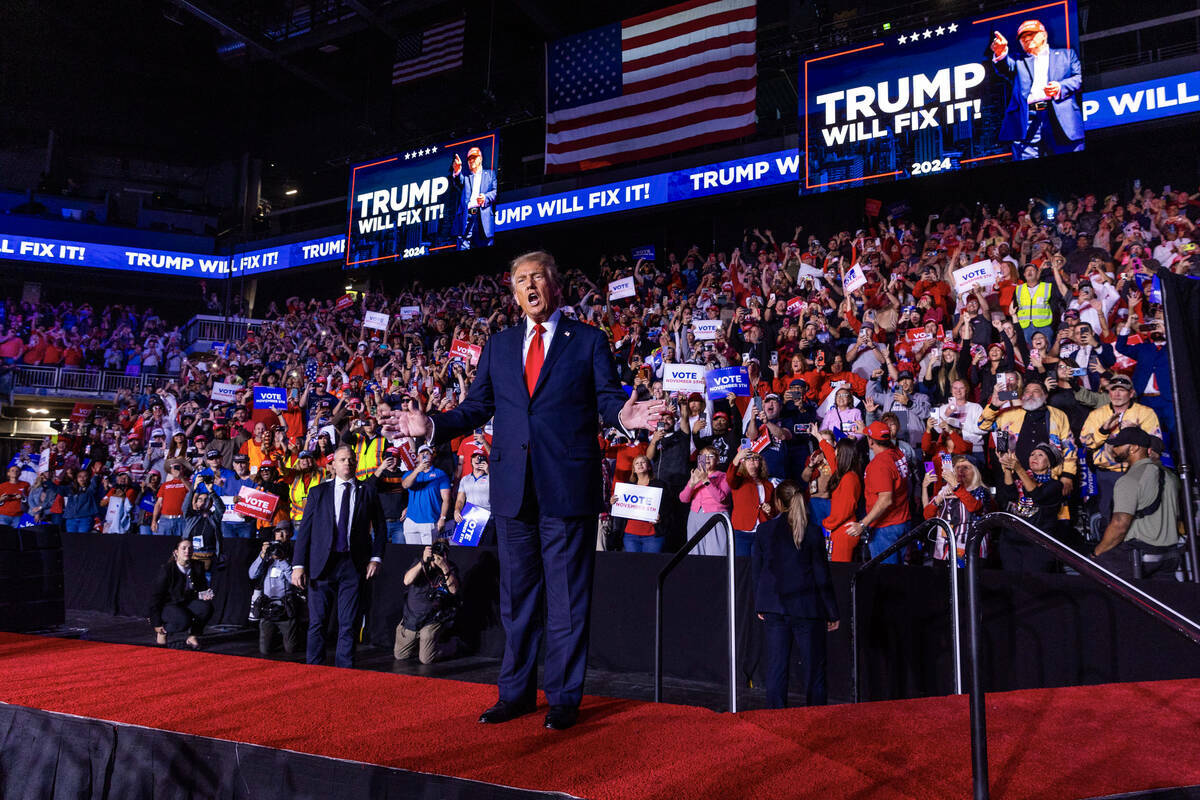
<point>559,342</point>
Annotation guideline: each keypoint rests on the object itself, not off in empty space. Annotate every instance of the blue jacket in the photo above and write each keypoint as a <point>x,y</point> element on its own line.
<point>1018,71</point>
<point>790,580</point>
<point>1151,359</point>
<point>84,503</point>
<point>555,432</point>
<point>487,188</point>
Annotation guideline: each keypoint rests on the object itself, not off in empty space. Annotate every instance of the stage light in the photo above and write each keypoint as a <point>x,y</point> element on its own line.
<point>39,411</point>
<point>291,192</point>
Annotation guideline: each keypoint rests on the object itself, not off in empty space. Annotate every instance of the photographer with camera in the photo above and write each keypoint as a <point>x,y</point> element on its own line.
<point>278,605</point>
<point>432,583</point>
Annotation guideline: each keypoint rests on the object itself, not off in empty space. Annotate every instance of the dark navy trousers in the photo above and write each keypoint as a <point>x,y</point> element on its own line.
<point>338,590</point>
<point>549,560</point>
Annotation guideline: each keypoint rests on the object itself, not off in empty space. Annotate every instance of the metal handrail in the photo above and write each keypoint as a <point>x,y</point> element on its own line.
<point>658,607</point>
<point>80,380</point>
<point>915,532</point>
<point>1086,567</point>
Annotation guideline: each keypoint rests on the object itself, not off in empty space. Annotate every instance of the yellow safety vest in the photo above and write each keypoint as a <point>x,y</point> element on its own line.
<point>1033,308</point>
<point>368,457</point>
<point>298,491</point>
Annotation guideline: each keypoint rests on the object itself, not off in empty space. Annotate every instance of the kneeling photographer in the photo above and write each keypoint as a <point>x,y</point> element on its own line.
<point>429,607</point>
<point>278,606</point>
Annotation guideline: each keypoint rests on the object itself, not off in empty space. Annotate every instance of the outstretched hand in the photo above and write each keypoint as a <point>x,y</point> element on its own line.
<point>406,423</point>
<point>644,415</point>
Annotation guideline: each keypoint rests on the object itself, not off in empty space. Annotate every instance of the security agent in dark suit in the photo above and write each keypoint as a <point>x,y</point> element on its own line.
<point>340,543</point>
<point>546,381</point>
<point>1044,114</point>
<point>793,595</point>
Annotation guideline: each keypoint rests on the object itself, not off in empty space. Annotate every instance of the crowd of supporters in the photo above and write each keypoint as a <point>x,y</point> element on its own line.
<point>900,400</point>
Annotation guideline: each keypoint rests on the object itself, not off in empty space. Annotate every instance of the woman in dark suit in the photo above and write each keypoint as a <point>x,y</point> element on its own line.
<point>793,595</point>
<point>181,600</point>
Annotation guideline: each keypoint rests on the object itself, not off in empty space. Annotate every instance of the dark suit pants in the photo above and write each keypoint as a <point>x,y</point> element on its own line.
<point>809,637</point>
<point>289,632</point>
<point>190,617</point>
<point>550,558</point>
<point>337,590</point>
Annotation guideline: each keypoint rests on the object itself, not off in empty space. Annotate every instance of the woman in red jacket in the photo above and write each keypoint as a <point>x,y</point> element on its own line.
<point>846,493</point>
<point>752,496</point>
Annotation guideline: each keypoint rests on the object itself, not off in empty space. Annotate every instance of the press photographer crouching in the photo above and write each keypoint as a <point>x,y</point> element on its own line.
<point>432,583</point>
<point>278,606</point>
<point>181,600</point>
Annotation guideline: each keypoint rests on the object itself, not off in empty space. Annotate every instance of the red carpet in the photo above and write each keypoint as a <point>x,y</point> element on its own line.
<point>1063,743</point>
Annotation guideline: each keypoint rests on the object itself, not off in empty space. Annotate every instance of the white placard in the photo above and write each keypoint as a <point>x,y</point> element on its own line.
<point>854,279</point>
<point>706,329</point>
<point>230,515</point>
<point>224,392</point>
<point>637,502</point>
<point>376,320</point>
<point>623,288</point>
<point>410,312</point>
<point>685,378</point>
<point>981,273</point>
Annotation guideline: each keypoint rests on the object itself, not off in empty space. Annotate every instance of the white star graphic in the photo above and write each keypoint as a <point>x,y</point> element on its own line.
<point>939,30</point>
<point>928,33</point>
<point>912,37</point>
<point>406,156</point>
<point>953,27</point>
<point>902,39</point>
<point>435,149</point>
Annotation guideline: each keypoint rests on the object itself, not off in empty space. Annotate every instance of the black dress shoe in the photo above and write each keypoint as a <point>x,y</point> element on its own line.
<point>503,711</point>
<point>559,718</point>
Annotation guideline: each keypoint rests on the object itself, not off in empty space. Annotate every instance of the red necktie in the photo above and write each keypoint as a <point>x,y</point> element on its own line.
<point>533,361</point>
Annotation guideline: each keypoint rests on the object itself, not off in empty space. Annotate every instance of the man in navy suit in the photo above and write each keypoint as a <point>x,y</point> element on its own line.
<point>546,380</point>
<point>1044,114</point>
<point>340,544</point>
<point>474,218</point>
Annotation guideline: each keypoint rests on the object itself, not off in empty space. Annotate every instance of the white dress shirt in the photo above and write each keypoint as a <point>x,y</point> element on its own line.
<point>339,487</point>
<point>476,178</point>
<point>550,326</point>
<point>1041,76</point>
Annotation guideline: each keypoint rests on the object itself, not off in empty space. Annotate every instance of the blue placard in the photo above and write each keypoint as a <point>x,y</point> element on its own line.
<point>469,531</point>
<point>721,382</point>
<point>147,503</point>
<point>645,252</point>
<point>272,397</point>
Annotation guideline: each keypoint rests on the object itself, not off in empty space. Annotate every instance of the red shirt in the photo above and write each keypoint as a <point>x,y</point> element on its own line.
<point>888,472</point>
<point>467,449</point>
<point>12,508</point>
<point>172,493</point>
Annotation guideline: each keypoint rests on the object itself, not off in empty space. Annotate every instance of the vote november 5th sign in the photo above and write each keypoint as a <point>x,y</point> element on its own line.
<point>636,502</point>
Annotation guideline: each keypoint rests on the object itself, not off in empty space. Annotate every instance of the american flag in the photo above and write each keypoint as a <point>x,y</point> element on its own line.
<point>659,83</point>
<point>438,48</point>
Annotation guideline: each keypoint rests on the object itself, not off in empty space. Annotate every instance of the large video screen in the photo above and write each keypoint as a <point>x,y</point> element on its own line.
<point>441,197</point>
<point>955,93</point>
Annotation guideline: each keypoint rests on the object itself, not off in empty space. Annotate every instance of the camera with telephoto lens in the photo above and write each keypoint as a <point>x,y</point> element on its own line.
<point>439,548</point>
<point>279,550</point>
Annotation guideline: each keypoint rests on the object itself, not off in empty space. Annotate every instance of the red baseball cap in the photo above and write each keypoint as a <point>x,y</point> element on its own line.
<point>879,431</point>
